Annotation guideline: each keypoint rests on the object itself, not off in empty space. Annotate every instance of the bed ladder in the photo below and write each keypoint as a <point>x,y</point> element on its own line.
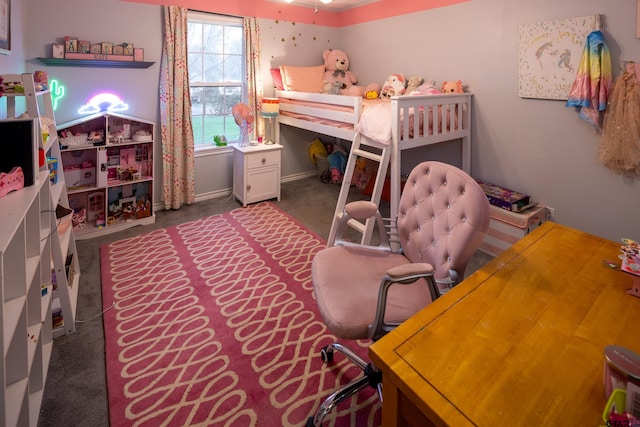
<point>372,150</point>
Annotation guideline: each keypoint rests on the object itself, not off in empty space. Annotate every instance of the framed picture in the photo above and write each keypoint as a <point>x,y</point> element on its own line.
<point>107,48</point>
<point>71,45</point>
<point>57,50</point>
<point>5,26</point>
<point>549,55</point>
<point>96,48</point>
<point>128,47</point>
<point>118,49</point>
<point>84,46</point>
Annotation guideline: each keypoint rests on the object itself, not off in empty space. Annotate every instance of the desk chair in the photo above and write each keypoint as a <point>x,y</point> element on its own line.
<point>442,218</point>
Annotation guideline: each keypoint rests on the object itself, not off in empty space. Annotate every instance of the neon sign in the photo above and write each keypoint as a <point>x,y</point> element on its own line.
<point>104,102</point>
<point>57,92</point>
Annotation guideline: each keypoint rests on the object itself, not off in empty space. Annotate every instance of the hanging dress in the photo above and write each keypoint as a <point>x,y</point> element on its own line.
<point>620,142</point>
<point>590,90</point>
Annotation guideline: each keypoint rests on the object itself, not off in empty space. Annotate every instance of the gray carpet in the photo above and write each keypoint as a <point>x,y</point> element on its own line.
<point>76,390</point>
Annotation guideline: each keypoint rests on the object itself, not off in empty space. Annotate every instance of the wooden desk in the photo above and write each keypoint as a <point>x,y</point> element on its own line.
<point>520,342</point>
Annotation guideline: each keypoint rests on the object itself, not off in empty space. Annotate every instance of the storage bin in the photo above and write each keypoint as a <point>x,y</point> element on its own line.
<point>508,227</point>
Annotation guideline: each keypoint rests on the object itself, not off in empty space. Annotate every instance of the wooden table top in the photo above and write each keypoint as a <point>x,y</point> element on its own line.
<point>521,341</point>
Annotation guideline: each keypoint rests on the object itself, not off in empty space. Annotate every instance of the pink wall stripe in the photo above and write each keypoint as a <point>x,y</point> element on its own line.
<point>388,8</point>
<point>290,12</point>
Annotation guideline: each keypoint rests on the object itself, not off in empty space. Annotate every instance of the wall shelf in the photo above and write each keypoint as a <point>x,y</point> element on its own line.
<point>61,62</point>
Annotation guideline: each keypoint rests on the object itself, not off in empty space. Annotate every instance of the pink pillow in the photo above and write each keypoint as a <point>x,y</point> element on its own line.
<point>302,79</point>
<point>277,78</point>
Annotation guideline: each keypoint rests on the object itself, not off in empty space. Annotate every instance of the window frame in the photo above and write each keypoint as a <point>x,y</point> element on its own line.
<point>224,20</point>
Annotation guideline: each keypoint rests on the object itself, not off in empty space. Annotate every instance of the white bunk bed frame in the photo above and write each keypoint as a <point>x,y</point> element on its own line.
<point>451,120</point>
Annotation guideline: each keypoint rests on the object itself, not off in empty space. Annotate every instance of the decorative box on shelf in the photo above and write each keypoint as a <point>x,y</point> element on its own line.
<point>75,53</point>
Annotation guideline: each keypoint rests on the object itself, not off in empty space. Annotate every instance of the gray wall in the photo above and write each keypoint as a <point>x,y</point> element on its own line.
<point>539,147</point>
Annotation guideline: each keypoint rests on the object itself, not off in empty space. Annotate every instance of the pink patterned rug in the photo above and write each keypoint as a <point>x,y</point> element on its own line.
<point>215,324</point>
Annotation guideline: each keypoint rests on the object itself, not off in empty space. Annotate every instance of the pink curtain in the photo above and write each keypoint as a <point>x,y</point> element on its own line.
<point>178,184</point>
<point>254,72</point>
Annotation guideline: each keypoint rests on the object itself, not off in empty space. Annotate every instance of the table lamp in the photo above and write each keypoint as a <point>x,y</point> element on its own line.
<point>270,109</point>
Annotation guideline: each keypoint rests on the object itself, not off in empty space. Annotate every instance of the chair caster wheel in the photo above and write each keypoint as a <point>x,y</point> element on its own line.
<point>326,354</point>
<point>309,422</point>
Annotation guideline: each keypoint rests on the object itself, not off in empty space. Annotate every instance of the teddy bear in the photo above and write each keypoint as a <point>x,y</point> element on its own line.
<point>336,64</point>
<point>452,87</point>
<point>395,85</point>
<point>413,83</point>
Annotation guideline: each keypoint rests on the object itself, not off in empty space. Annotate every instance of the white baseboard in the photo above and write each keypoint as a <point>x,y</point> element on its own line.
<point>227,191</point>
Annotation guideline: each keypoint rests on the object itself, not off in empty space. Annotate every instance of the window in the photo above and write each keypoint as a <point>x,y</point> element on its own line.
<point>216,75</point>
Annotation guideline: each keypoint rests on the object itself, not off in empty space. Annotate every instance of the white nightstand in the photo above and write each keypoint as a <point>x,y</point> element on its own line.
<point>256,173</point>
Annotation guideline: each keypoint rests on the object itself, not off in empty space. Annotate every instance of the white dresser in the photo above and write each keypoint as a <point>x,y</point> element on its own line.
<point>256,172</point>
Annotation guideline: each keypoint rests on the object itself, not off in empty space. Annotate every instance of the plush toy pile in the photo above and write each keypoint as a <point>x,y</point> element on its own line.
<point>340,80</point>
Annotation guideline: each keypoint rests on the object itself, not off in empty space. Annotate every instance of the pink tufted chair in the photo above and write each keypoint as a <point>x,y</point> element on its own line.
<point>365,291</point>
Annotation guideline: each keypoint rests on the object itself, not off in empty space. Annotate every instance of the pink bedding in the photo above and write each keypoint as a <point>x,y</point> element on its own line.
<point>329,107</point>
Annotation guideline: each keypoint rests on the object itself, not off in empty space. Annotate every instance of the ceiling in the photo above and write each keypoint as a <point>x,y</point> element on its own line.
<point>335,5</point>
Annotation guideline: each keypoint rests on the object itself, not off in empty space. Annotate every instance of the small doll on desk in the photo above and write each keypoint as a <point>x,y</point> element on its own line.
<point>631,263</point>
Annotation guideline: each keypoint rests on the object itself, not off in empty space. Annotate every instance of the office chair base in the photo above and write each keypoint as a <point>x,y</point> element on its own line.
<point>372,377</point>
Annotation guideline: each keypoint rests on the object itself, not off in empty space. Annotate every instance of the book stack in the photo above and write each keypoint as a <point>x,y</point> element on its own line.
<point>504,198</point>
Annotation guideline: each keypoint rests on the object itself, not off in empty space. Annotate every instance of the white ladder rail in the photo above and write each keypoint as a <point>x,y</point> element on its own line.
<point>381,155</point>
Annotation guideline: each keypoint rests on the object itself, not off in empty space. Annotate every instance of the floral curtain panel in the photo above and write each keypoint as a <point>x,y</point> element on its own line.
<point>178,157</point>
<point>254,76</point>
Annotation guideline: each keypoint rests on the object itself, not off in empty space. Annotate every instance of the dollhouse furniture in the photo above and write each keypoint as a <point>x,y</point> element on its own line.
<point>256,172</point>
<point>521,341</point>
<point>100,174</point>
<point>364,291</point>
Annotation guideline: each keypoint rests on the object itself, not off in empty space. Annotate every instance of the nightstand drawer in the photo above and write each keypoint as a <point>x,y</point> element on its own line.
<point>264,158</point>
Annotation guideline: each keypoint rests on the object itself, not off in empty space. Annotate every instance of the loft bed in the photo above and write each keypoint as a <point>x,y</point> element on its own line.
<point>339,116</point>
<point>381,124</point>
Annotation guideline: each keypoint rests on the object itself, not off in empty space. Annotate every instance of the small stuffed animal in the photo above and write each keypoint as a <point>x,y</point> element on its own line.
<point>372,91</point>
<point>428,88</point>
<point>452,87</point>
<point>413,83</point>
<point>337,164</point>
<point>336,64</point>
<point>332,88</point>
<point>395,85</point>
